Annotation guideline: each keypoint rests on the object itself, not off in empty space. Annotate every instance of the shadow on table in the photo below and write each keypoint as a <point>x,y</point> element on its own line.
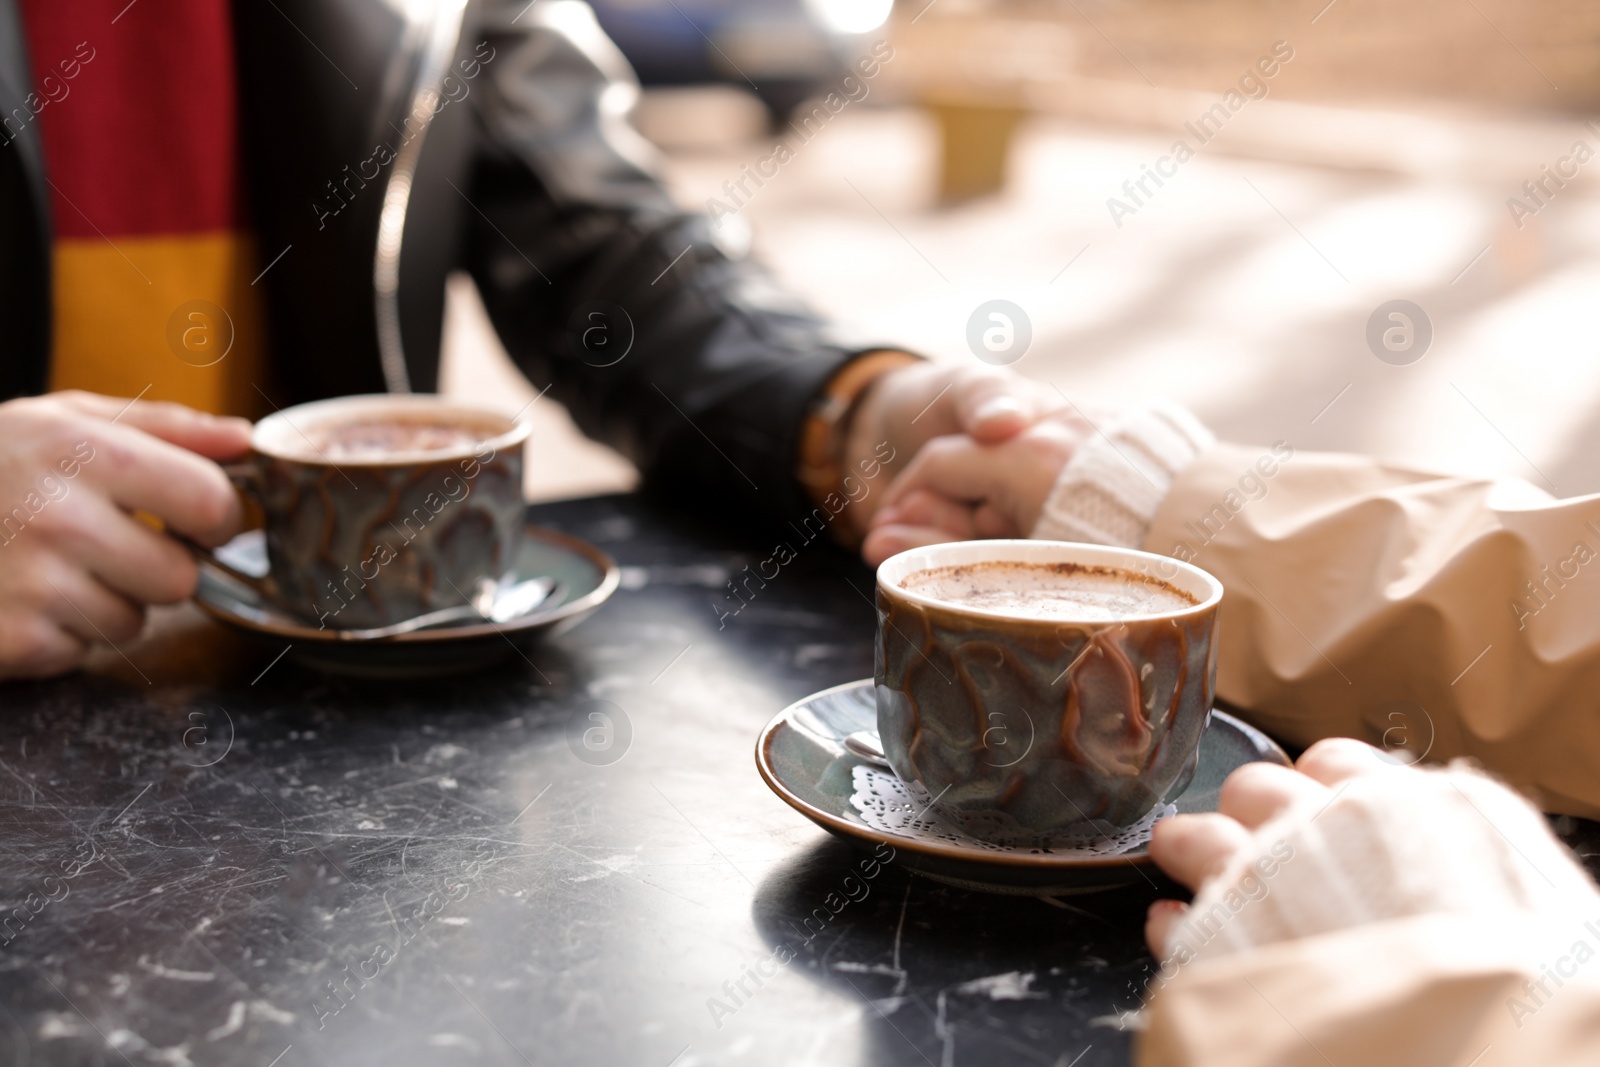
<point>989,978</point>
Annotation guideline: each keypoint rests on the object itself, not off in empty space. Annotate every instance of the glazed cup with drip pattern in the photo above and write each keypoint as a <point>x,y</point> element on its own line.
<point>377,537</point>
<point>1038,731</point>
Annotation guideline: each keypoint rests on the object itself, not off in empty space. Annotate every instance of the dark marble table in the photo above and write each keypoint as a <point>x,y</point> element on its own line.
<point>215,858</point>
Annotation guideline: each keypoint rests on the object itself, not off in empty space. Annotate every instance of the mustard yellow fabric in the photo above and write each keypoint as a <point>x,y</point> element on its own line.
<point>171,317</point>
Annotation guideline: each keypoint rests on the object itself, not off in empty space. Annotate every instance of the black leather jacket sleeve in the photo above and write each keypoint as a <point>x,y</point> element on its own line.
<point>572,224</point>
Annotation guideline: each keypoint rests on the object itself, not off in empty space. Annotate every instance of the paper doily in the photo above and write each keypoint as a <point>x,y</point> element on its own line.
<point>902,809</point>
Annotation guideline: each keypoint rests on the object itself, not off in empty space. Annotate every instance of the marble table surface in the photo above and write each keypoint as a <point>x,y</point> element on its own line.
<point>216,857</point>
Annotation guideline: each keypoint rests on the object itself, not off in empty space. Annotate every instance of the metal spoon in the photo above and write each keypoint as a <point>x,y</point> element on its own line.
<point>490,602</point>
<point>867,745</point>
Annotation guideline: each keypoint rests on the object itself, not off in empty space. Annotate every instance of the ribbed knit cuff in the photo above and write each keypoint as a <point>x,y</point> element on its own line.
<point>1391,845</point>
<point>1109,492</point>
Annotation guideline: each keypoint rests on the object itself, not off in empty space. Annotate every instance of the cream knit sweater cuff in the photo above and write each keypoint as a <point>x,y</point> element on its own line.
<point>1108,493</point>
<point>1391,845</point>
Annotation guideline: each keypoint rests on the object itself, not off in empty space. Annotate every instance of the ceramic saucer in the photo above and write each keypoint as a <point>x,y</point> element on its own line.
<point>802,757</point>
<point>586,575</point>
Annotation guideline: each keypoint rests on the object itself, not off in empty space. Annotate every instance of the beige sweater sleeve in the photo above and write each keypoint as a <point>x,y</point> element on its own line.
<point>1413,917</point>
<point>1432,615</point>
<point>1442,989</point>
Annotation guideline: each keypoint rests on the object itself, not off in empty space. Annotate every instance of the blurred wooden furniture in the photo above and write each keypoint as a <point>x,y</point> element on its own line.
<point>974,142</point>
<point>976,72</point>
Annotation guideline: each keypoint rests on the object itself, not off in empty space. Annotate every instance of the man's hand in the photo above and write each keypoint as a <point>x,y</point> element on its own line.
<point>907,408</point>
<point>75,565</point>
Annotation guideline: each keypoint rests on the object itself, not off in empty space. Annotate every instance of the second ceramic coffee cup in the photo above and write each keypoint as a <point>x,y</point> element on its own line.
<point>367,540</point>
<point>1033,730</point>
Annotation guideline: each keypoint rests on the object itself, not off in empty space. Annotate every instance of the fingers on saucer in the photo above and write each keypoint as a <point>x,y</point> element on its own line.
<point>1335,760</point>
<point>1162,918</point>
<point>1192,848</point>
<point>1258,792</point>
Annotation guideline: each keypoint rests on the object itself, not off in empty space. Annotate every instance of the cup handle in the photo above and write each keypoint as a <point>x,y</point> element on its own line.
<point>246,478</point>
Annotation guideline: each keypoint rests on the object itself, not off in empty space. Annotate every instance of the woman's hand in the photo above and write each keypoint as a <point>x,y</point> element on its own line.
<point>75,566</point>
<point>1349,837</point>
<point>957,488</point>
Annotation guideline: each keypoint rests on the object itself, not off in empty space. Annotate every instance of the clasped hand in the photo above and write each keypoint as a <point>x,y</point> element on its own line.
<point>960,486</point>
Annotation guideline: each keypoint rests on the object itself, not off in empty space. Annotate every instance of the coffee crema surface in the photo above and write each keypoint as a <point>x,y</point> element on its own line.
<point>377,439</point>
<point>1066,591</point>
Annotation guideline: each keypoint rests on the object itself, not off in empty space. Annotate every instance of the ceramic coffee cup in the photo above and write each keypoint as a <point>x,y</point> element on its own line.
<point>378,537</point>
<point>1033,730</point>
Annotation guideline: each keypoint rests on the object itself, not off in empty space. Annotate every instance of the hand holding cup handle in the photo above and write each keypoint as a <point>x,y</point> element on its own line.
<point>246,478</point>
<point>380,508</point>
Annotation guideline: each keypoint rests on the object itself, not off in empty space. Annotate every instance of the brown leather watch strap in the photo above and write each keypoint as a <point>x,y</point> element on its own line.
<point>822,435</point>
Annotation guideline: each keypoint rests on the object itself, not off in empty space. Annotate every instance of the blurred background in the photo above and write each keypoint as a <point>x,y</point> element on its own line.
<point>1440,152</point>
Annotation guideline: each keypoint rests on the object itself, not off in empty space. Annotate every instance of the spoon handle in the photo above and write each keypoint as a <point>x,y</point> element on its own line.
<point>420,622</point>
<point>524,598</point>
<point>866,745</point>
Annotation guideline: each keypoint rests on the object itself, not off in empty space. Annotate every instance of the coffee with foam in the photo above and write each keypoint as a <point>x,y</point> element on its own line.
<point>376,439</point>
<point>1064,592</point>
